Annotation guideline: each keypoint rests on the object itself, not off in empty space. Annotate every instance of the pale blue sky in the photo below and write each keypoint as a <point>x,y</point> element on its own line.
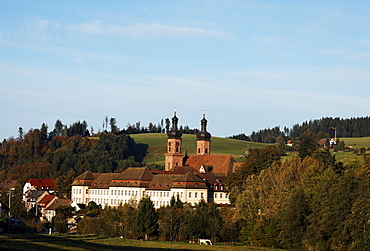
<point>250,64</point>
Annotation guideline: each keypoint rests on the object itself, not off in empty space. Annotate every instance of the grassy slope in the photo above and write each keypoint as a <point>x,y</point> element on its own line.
<point>157,146</point>
<point>94,242</point>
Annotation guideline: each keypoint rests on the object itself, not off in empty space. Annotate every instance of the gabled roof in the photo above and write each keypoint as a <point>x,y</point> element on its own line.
<point>42,184</point>
<point>86,176</point>
<point>190,177</point>
<point>104,180</point>
<point>58,202</point>
<point>46,200</point>
<point>189,180</point>
<point>163,181</point>
<point>133,177</point>
<point>34,194</point>
<point>222,164</point>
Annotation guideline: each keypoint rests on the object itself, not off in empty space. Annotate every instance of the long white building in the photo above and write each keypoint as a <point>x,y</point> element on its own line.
<point>191,178</point>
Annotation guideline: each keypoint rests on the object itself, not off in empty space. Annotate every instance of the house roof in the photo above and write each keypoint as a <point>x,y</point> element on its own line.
<point>133,177</point>
<point>42,184</point>
<point>46,200</point>
<point>58,202</point>
<point>136,173</point>
<point>322,142</point>
<point>222,164</point>
<point>34,194</point>
<point>103,180</point>
<point>86,176</point>
<point>162,181</point>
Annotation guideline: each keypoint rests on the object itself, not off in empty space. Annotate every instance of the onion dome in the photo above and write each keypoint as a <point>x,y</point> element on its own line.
<point>203,134</point>
<point>174,132</point>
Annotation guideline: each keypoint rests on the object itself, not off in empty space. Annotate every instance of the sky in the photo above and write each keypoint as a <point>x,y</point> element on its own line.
<point>249,65</point>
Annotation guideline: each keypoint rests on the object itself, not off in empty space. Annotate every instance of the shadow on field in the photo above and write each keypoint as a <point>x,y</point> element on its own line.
<point>59,243</point>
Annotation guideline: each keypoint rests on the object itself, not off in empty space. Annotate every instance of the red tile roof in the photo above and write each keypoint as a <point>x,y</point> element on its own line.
<point>43,184</point>
<point>221,164</point>
<point>46,200</point>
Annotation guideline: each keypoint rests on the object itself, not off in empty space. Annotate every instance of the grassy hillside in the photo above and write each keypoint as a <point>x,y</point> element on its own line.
<point>357,142</point>
<point>157,146</point>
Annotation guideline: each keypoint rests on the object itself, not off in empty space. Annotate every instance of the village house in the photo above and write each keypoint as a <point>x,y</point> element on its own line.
<point>35,190</point>
<point>191,178</point>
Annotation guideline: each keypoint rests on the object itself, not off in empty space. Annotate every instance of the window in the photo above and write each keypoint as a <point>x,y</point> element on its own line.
<point>198,150</point>
<point>201,195</point>
<point>206,150</point>
<point>220,195</point>
<point>196,195</point>
<point>129,192</point>
<point>115,192</point>
<point>111,192</point>
<point>160,194</point>
<point>125,192</point>
<point>119,192</point>
<point>215,195</point>
<point>189,194</point>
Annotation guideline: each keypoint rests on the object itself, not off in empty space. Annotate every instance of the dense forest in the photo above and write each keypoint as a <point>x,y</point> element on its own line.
<point>307,202</point>
<point>333,127</point>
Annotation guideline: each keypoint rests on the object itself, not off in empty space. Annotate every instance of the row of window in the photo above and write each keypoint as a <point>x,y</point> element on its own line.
<point>195,195</point>
<point>153,194</point>
<point>220,195</point>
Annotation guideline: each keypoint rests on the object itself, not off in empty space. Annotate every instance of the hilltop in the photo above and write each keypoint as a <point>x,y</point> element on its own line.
<point>220,146</point>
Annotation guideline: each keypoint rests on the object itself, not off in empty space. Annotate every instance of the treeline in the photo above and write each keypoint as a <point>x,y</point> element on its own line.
<point>334,127</point>
<point>178,221</point>
<point>307,202</point>
<point>37,155</point>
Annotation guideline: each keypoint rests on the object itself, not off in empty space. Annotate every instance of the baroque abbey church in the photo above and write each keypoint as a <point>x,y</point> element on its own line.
<point>191,178</point>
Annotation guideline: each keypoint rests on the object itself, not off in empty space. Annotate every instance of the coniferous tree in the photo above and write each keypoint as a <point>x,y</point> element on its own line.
<point>147,218</point>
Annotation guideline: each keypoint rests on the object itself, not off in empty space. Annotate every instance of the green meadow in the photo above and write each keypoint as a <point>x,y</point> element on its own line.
<point>224,146</point>
<point>41,242</point>
<point>219,146</point>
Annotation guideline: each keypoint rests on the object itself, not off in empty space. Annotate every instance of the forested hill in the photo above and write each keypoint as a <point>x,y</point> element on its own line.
<point>347,128</point>
<point>63,158</point>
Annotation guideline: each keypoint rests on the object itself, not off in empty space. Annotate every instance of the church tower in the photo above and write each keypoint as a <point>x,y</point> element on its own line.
<point>203,139</point>
<point>173,157</point>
